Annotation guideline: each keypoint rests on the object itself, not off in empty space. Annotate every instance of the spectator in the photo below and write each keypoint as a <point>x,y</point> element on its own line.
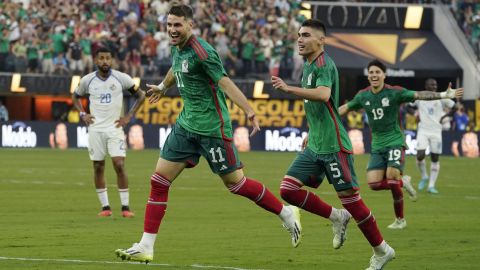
<point>60,64</point>
<point>460,119</point>
<point>4,46</point>
<point>354,120</point>
<point>3,112</point>
<point>75,56</point>
<point>33,50</point>
<point>46,50</point>
<point>20,51</point>
<point>86,44</point>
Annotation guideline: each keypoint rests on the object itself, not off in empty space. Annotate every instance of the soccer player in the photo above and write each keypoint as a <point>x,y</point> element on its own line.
<point>328,150</point>
<point>105,124</point>
<point>203,128</point>
<point>429,134</point>
<point>381,102</point>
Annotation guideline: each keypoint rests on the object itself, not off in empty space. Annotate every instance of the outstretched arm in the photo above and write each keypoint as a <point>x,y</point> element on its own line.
<point>321,93</point>
<point>239,98</point>
<point>448,94</point>
<point>155,92</point>
<point>343,110</point>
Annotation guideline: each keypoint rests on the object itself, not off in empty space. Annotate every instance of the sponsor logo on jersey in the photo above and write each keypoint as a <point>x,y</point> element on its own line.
<point>112,87</point>
<point>185,66</point>
<point>385,102</point>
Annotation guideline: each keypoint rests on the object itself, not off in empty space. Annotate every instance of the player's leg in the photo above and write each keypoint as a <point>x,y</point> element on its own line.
<point>422,144</point>
<point>436,149</point>
<point>117,150</point>
<point>305,171</point>
<point>395,182</point>
<point>350,197</point>
<point>97,149</point>
<point>178,153</point>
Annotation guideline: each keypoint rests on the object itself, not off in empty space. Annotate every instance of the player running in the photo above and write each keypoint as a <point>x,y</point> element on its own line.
<point>203,128</point>
<point>105,125</point>
<point>381,102</point>
<point>328,150</point>
<point>429,134</point>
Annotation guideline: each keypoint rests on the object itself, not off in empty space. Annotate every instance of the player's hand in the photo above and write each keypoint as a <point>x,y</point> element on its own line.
<point>452,93</point>
<point>256,125</point>
<point>123,121</point>
<point>88,119</point>
<point>279,84</point>
<point>154,93</point>
<point>304,143</point>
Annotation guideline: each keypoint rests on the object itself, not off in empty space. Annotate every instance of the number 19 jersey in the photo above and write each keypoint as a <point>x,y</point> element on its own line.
<point>382,110</point>
<point>197,68</point>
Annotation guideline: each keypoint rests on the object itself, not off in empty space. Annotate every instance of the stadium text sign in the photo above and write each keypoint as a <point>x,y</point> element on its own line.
<point>287,139</point>
<point>18,135</point>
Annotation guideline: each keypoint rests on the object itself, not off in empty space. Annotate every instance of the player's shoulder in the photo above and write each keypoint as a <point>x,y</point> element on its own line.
<point>394,87</point>
<point>364,91</point>
<point>89,77</point>
<point>119,74</point>
<point>201,47</point>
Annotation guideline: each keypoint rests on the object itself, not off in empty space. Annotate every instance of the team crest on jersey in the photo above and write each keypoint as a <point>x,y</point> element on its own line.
<point>185,66</point>
<point>385,102</point>
<point>309,79</point>
<point>112,87</point>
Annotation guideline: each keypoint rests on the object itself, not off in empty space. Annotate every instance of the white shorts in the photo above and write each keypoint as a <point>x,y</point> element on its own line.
<point>426,139</point>
<point>101,143</point>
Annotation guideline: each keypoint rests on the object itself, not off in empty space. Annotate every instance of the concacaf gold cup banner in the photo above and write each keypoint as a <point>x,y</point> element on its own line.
<point>270,113</point>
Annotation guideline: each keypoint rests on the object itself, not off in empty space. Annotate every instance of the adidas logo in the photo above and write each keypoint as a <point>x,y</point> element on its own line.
<point>367,103</point>
<point>223,168</point>
<point>397,162</point>
<point>340,182</point>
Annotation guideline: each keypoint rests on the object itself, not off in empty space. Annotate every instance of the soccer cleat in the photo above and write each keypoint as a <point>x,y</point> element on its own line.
<point>128,214</point>
<point>433,190</point>
<point>422,184</point>
<point>136,253</point>
<point>293,226</point>
<point>407,185</point>
<point>377,262</point>
<point>105,213</point>
<point>340,229</point>
<point>398,224</point>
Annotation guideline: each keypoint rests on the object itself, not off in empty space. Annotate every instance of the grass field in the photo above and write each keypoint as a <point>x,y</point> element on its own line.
<point>48,219</point>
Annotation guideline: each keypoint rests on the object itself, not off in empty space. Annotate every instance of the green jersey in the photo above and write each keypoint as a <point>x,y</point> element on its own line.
<point>383,114</point>
<point>197,69</point>
<point>326,133</point>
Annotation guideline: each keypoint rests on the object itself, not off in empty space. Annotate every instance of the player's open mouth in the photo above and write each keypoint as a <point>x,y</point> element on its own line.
<point>174,35</point>
<point>301,47</point>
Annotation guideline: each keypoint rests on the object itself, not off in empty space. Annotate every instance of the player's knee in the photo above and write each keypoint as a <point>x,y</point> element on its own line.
<point>420,156</point>
<point>99,166</point>
<point>119,166</point>
<point>288,188</point>
<point>435,157</point>
<point>159,183</point>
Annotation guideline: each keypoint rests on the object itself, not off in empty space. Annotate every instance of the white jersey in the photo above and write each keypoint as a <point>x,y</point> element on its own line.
<point>106,98</point>
<point>430,112</point>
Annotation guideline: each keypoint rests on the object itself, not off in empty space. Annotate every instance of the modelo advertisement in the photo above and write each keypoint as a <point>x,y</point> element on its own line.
<point>59,135</point>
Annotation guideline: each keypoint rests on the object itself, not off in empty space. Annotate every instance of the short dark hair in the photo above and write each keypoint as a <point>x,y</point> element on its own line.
<point>103,50</point>
<point>315,24</point>
<point>378,64</point>
<point>181,11</point>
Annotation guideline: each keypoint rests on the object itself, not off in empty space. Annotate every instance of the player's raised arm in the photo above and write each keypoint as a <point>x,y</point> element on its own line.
<point>239,98</point>
<point>448,94</point>
<point>321,93</point>
<point>155,92</point>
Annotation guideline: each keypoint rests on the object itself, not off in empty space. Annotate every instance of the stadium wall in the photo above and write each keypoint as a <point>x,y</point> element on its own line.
<point>33,134</point>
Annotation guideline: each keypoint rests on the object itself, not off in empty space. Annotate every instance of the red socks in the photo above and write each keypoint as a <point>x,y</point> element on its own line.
<point>291,191</point>
<point>397,194</point>
<point>258,193</point>
<point>365,220</point>
<point>157,203</point>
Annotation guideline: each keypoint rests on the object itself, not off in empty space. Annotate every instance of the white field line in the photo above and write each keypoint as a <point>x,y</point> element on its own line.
<point>161,265</point>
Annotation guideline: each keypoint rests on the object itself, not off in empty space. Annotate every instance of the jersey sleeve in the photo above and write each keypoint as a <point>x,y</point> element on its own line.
<point>355,103</point>
<point>405,95</point>
<point>82,88</point>
<point>126,81</point>
<point>324,77</point>
<point>213,66</point>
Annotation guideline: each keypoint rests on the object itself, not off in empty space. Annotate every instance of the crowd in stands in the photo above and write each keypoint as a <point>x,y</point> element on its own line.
<point>253,37</point>
<point>467,14</point>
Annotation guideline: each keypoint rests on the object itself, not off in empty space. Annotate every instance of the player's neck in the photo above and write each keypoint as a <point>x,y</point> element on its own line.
<point>314,55</point>
<point>187,39</point>
<point>103,75</point>
<point>378,88</point>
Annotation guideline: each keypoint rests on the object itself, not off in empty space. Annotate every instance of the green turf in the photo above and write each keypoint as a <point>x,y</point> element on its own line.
<point>49,206</point>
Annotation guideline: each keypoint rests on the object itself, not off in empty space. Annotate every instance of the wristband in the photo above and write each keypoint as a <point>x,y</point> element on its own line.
<point>82,114</point>
<point>161,86</point>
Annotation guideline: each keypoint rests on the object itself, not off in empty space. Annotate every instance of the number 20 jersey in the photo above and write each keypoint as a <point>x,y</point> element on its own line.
<point>382,110</point>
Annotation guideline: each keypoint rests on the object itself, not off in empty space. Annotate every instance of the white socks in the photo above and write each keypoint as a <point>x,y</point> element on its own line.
<point>423,168</point>
<point>335,215</point>
<point>124,197</point>
<point>434,170</point>
<point>102,196</point>
<point>148,241</point>
<point>285,214</point>
<point>380,249</point>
